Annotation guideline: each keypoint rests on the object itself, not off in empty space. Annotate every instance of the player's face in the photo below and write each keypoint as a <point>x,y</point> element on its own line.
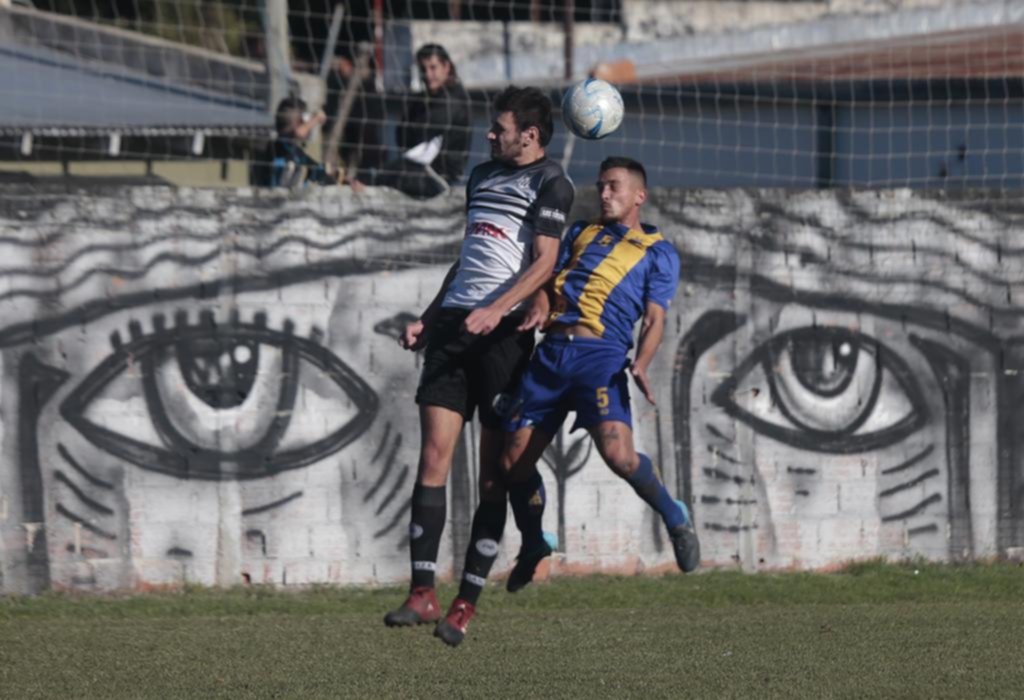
<point>507,142</point>
<point>435,72</point>
<point>621,193</point>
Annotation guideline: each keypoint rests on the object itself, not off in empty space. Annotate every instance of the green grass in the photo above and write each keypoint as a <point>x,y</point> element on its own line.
<point>875,630</point>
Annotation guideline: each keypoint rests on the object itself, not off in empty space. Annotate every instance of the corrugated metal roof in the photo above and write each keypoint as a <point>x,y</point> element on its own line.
<point>978,53</point>
<point>47,92</point>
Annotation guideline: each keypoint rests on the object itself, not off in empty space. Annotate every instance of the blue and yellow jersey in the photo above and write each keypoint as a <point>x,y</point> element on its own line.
<point>606,275</point>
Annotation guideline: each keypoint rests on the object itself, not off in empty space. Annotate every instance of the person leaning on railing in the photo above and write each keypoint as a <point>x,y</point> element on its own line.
<point>284,163</point>
<point>433,134</point>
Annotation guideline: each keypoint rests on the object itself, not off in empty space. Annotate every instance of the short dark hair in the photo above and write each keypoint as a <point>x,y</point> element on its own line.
<point>441,53</point>
<point>287,110</point>
<point>529,107</point>
<point>633,166</point>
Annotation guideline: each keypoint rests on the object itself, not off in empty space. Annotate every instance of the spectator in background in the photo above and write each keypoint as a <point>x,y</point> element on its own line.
<point>359,148</point>
<point>434,132</point>
<point>283,163</point>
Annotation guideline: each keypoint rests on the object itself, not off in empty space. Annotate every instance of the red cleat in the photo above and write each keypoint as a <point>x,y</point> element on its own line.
<point>452,629</point>
<point>420,607</point>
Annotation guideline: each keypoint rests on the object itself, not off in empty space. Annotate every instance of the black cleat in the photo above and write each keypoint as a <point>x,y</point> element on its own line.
<point>685,543</point>
<point>526,563</point>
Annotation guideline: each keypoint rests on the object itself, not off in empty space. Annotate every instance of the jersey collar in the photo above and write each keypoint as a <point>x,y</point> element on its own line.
<point>622,229</point>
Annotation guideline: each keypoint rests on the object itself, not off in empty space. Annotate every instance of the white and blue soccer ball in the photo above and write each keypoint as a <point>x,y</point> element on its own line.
<point>592,109</point>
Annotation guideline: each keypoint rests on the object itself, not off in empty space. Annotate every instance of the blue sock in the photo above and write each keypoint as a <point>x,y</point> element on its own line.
<point>648,487</point>
<point>527,499</point>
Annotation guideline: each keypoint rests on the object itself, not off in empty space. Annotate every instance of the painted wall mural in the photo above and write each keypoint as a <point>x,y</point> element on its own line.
<point>205,386</point>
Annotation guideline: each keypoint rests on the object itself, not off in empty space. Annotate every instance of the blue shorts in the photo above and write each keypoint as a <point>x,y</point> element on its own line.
<point>569,373</point>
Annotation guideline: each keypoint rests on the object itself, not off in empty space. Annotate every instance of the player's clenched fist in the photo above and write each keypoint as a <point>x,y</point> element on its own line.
<point>483,321</point>
<point>414,336</point>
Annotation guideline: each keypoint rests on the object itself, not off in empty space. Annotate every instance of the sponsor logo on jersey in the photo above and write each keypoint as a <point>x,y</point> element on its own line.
<point>553,214</point>
<point>483,228</point>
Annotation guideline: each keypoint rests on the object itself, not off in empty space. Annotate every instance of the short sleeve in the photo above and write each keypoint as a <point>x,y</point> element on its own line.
<point>471,182</point>
<point>663,279</point>
<point>554,200</point>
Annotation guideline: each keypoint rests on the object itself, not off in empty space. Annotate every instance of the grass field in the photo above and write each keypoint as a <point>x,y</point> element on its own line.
<point>872,631</point>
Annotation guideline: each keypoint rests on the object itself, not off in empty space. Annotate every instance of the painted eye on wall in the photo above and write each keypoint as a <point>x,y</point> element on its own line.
<point>825,389</point>
<point>229,401</point>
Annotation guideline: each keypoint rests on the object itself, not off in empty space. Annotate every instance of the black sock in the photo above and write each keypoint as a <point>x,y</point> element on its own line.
<point>429,509</point>
<point>488,526</point>
<point>527,499</point>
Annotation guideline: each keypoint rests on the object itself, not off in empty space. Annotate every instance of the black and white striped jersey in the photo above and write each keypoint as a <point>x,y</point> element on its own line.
<point>506,206</point>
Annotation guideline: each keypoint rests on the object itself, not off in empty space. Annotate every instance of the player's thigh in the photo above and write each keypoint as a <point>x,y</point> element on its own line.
<point>440,428</point>
<point>614,442</point>
<point>444,380</point>
<point>540,399</point>
<point>523,449</point>
<point>600,389</point>
<point>493,374</point>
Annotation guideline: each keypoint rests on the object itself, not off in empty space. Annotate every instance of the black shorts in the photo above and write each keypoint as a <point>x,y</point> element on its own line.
<point>463,372</point>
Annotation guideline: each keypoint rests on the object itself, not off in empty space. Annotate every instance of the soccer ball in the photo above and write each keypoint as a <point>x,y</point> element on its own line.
<point>592,109</point>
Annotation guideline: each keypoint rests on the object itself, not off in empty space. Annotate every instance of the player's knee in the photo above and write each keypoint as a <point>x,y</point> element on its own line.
<point>621,461</point>
<point>515,468</point>
<point>507,461</point>
<point>622,469</point>
<point>513,455</point>
<point>435,461</point>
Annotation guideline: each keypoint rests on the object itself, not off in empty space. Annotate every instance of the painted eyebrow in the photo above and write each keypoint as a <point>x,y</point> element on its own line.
<point>26,331</point>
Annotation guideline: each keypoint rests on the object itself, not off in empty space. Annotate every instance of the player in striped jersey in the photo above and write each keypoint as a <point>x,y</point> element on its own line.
<point>475,349</point>
<point>609,275</point>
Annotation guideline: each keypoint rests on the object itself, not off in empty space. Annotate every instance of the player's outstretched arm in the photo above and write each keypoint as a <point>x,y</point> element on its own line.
<point>545,253</point>
<point>415,334</point>
<point>651,332</point>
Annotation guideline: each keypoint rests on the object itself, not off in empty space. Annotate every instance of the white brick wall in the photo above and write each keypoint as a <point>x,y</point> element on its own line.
<point>779,473</point>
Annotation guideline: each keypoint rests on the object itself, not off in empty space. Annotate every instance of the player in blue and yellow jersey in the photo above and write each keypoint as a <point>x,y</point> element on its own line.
<point>609,275</point>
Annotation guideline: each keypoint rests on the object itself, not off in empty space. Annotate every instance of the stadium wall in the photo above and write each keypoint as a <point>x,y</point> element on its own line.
<point>205,387</point>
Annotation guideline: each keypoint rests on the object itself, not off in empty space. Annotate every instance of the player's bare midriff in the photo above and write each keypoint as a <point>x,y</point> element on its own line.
<point>571,330</point>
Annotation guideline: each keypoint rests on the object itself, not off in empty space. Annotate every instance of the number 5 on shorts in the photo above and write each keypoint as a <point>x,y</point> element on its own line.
<point>602,397</point>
